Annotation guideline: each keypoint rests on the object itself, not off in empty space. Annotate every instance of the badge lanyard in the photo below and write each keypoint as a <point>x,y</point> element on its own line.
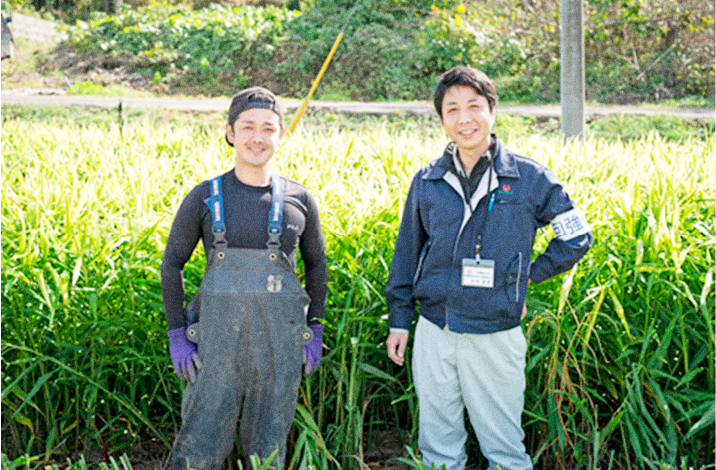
<point>488,208</point>
<point>479,272</point>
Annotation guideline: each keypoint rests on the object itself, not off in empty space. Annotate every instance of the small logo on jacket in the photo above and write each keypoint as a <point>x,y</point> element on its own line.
<point>506,189</point>
<point>274,283</point>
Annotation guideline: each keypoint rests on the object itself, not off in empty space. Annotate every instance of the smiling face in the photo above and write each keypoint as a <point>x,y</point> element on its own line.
<point>256,134</point>
<point>467,120</point>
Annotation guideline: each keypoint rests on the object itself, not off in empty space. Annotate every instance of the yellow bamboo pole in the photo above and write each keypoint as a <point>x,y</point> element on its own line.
<point>304,104</point>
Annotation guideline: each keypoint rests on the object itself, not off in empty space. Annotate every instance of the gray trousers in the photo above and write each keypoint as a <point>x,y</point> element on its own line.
<point>484,374</point>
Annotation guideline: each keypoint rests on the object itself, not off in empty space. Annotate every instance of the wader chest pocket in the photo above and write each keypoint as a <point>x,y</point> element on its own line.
<point>193,333</point>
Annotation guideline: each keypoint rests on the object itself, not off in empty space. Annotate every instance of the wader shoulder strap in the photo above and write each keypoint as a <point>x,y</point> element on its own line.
<point>275,212</point>
<point>216,208</point>
<point>215,202</point>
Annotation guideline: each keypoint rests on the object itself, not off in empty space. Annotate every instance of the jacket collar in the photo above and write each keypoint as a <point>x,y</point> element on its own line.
<point>505,165</point>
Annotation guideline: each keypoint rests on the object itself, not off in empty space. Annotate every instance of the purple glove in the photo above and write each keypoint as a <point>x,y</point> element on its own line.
<point>183,352</point>
<point>313,350</point>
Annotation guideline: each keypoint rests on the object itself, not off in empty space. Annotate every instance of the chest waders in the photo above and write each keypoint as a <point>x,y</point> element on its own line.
<point>250,339</point>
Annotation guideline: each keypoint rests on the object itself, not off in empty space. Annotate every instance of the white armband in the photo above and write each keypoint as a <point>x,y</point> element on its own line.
<point>570,224</point>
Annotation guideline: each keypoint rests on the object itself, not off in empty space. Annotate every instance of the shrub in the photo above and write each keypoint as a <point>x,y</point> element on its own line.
<point>213,49</point>
<point>634,50</point>
<point>383,55</point>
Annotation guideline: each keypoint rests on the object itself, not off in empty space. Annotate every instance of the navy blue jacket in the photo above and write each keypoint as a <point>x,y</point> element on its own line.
<point>438,230</point>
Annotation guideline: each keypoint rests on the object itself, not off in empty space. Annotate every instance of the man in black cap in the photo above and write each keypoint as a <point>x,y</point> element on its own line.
<point>241,341</point>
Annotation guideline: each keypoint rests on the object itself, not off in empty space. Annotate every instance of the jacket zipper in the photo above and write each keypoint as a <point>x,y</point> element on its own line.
<point>467,202</point>
<point>457,240</point>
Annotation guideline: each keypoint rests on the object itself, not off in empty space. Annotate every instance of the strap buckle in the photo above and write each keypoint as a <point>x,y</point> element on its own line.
<point>274,240</point>
<point>220,238</point>
<point>275,212</point>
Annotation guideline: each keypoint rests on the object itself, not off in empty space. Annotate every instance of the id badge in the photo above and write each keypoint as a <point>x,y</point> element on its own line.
<point>478,273</point>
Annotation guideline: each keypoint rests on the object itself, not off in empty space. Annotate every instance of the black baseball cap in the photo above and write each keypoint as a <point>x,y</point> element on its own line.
<point>254,97</point>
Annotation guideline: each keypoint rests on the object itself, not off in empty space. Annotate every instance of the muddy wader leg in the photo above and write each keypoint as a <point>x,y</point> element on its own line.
<point>204,450</point>
<point>211,406</point>
<point>277,335</point>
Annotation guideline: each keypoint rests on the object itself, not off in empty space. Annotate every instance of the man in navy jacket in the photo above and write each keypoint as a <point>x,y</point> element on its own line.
<point>463,252</point>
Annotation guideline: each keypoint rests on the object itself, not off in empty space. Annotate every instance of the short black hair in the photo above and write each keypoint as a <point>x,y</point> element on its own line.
<point>254,97</point>
<point>466,76</point>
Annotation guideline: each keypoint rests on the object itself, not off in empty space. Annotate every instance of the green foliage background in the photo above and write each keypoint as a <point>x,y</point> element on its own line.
<point>394,49</point>
<point>210,48</point>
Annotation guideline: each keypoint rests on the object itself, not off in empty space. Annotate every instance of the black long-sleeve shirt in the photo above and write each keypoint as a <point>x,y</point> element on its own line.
<point>246,210</point>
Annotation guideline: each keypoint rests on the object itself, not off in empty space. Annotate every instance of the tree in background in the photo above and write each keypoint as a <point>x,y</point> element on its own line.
<point>660,49</point>
<point>635,50</point>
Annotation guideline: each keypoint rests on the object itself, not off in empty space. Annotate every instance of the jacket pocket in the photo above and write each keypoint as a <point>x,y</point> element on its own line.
<point>421,261</point>
<point>514,277</point>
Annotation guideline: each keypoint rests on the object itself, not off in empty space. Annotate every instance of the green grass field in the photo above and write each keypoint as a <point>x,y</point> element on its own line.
<point>621,349</point>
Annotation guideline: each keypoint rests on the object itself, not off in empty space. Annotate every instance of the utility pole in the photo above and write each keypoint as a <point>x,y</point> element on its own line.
<point>572,68</point>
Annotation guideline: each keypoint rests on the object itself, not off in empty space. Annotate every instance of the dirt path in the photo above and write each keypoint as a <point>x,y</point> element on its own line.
<point>337,107</point>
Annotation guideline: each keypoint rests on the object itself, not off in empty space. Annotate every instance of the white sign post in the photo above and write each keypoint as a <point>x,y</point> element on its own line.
<point>572,68</point>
